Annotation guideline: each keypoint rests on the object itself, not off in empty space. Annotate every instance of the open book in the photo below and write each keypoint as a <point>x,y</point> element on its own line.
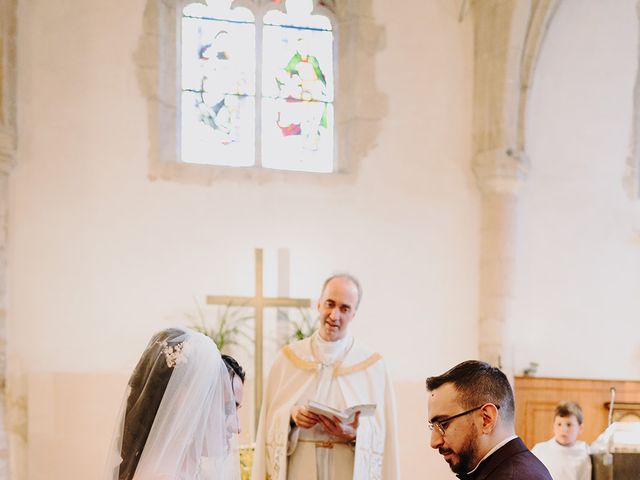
<point>347,415</point>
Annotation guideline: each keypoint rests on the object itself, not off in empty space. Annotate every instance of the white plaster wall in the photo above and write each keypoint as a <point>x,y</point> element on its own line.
<point>579,258</point>
<point>101,257</point>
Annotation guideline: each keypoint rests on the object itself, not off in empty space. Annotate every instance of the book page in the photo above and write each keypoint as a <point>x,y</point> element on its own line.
<point>346,415</point>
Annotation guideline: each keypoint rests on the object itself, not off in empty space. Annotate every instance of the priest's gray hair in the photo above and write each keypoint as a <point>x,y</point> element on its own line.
<point>477,383</point>
<point>347,276</point>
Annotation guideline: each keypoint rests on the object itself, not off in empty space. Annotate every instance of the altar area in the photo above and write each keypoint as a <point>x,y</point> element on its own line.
<point>72,418</point>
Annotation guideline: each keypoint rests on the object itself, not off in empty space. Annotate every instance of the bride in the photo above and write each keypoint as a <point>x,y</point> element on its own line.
<point>179,419</point>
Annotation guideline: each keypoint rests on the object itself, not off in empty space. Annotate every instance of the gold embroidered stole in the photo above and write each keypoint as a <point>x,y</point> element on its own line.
<point>303,364</point>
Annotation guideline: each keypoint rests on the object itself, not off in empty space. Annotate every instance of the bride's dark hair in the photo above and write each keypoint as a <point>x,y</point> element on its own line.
<point>148,383</point>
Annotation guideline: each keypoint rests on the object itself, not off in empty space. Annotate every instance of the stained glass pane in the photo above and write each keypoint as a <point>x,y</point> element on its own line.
<point>297,135</point>
<point>297,86</point>
<point>222,134</point>
<point>218,85</point>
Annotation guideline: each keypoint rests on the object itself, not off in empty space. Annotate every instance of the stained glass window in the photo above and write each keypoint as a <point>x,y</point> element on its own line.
<point>218,85</point>
<point>227,105</point>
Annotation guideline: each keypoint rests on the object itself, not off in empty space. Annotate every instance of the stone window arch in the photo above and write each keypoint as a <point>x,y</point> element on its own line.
<point>357,122</point>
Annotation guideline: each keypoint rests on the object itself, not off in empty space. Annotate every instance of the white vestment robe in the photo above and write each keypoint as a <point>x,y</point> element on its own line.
<point>357,376</point>
<point>564,463</point>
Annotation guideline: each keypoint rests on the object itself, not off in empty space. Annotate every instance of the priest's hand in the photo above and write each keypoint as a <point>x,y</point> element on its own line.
<point>302,417</point>
<point>343,431</point>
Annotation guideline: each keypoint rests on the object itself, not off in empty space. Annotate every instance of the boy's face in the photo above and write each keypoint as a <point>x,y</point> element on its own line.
<point>566,430</point>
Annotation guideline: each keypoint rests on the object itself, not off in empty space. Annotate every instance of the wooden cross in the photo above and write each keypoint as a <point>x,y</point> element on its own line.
<point>259,302</point>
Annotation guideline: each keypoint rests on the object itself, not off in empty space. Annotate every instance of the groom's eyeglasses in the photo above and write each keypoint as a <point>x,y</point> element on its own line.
<point>440,426</point>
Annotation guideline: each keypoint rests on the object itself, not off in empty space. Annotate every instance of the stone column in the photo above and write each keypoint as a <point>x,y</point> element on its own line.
<point>631,178</point>
<point>500,174</point>
<point>507,38</point>
<point>7,161</point>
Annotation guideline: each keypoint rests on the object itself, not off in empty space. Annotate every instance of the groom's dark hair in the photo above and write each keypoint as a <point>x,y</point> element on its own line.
<point>477,383</point>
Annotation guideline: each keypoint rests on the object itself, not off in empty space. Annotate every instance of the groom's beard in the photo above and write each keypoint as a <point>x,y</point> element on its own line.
<point>464,459</point>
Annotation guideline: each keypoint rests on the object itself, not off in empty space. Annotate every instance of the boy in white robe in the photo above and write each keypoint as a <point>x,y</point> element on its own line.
<point>566,457</point>
<point>332,368</point>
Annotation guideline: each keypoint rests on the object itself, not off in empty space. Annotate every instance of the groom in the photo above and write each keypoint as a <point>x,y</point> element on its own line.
<point>471,411</point>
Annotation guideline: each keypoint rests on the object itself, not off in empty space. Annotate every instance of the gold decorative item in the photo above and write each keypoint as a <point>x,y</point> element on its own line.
<point>246,461</point>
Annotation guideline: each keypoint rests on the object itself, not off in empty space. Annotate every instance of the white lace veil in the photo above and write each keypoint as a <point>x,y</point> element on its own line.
<point>179,419</point>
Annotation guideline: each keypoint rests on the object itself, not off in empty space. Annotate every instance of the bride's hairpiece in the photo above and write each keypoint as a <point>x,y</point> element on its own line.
<point>172,353</point>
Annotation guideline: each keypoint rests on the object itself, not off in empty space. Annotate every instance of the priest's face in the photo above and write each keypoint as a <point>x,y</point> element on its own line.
<point>337,307</point>
<point>459,444</point>
<point>566,430</point>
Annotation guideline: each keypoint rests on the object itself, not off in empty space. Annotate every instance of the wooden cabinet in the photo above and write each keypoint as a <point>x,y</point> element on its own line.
<point>537,397</point>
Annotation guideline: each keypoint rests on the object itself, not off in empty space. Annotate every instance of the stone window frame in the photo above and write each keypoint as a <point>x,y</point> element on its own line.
<point>631,177</point>
<point>357,121</point>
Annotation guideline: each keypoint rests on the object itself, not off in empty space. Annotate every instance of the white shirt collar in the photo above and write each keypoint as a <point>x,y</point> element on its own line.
<point>495,447</point>
<point>329,352</point>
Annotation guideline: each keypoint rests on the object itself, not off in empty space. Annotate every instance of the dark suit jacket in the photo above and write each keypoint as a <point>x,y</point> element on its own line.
<point>512,461</point>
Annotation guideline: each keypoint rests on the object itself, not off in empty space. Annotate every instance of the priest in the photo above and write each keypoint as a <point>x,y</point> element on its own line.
<point>334,369</point>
